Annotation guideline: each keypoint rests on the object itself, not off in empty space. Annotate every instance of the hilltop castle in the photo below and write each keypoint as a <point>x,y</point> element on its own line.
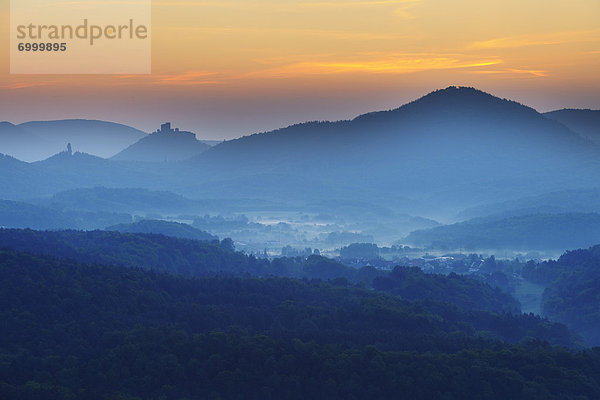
<point>166,128</point>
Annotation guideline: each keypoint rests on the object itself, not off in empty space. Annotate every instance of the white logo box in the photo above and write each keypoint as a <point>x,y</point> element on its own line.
<point>80,37</point>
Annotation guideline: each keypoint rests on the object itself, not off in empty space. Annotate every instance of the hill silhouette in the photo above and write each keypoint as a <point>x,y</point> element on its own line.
<point>449,150</point>
<point>66,171</point>
<point>164,145</point>
<point>584,122</point>
<point>523,232</point>
<point>440,146</point>
<point>100,138</point>
<point>563,201</point>
<point>572,283</point>
<point>20,143</point>
<point>129,200</point>
<point>167,228</point>
<point>76,331</point>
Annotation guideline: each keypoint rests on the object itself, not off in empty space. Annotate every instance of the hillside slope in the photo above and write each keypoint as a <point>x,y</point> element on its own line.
<point>163,146</point>
<point>540,232</point>
<point>458,144</point>
<point>584,122</point>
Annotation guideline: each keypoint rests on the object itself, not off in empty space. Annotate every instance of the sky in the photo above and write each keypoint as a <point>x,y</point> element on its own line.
<point>225,69</point>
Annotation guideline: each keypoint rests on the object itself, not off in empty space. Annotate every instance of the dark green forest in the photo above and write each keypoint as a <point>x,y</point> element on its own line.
<point>170,254</point>
<point>523,232</point>
<point>201,258</point>
<point>73,331</point>
<point>112,315</point>
<point>166,228</point>
<point>466,293</point>
<point>15,214</point>
<point>157,310</point>
<point>573,292</point>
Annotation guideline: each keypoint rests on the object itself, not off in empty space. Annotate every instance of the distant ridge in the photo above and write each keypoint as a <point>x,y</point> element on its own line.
<point>538,232</point>
<point>20,143</point>
<point>584,122</point>
<point>166,228</point>
<point>464,105</point>
<point>456,148</point>
<point>100,138</point>
<point>574,200</point>
<point>167,144</point>
<point>443,144</point>
<point>458,99</point>
<point>129,200</point>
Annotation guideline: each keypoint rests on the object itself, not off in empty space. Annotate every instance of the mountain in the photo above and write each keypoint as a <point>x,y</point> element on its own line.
<point>414,284</point>
<point>99,138</point>
<point>38,140</point>
<point>146,203</point>
<point>449,150</point>
<point>168,254</point>
<point>129,200</point>
<point>21,143</point>
<point>541,232</point>
<point>8,162</point>
<point>453,146</point>
<point>211,143</point>
<point>571,296</point>
<point>166,228</point>
<point>176,255</point>
<point>164,145</point>
<point>584,122</point>
<point>73,331</point>
<point>15,214</point>
<point>16,178</point>
<point>67,170</point>
<point>576,200</point>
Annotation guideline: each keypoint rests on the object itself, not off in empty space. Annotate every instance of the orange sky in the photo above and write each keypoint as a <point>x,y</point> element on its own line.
<point>230,68</point>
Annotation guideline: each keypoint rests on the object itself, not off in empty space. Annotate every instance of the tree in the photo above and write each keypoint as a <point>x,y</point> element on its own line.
<point>365,251</point>
<point>228,244</point>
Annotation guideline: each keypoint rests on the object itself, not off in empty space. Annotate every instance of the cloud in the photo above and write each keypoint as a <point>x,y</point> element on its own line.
<point>403,12</point>
<point>355,3</point>
<point>272,4</point>
<point>370,63</point>
<point>335,34</point>
<point>535,40</point>
<point>512,71</point>
<point>383,65</point>
<point>189,78</point>
<point>94,3</point>
<point>24,84</point>
<point>170,4</point>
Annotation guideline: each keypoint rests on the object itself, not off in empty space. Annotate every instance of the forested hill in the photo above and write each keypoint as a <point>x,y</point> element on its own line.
<point>576,200</point>
<point>166,228</point>
<point>72,331</point>
<point>160,147</point>
<point>584,122</point>
<point>439,147</point>
<point>572,265</point>
<point>572,295</point>
<point>465,292</point>
<point>543,232</point>
<point>100,138</point>
<point>442,149</point>
<point>37,140</point>
<point>200,258</point>
<point>166,254</point>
